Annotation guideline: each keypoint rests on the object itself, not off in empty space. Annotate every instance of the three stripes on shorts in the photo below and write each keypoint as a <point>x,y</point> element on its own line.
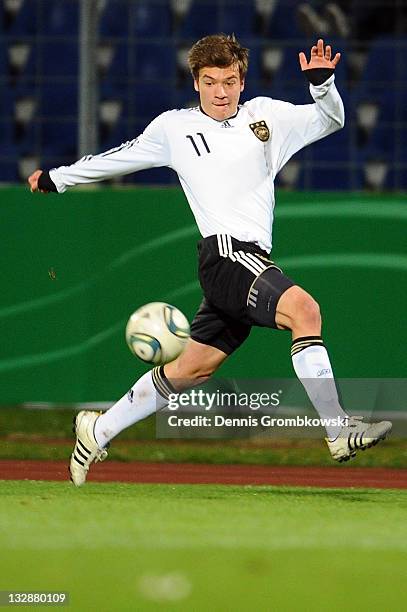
<point>252,297</point>
<point>253,262</point>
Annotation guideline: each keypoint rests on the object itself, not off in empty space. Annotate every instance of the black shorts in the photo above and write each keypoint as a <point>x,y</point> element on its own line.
<point>241,288</point>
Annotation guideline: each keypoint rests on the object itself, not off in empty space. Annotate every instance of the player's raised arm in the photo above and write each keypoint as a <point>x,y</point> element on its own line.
<point>328,109</point>
<point>300,125</point>
<point>149,150</point>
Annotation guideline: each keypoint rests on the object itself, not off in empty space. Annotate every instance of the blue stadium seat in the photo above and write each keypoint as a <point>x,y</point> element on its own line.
<point>141,19</point>
<point>385,61</point>
<point>3,60</point>
<point>110,90</point>
<point>356,178</point>
<point>27,141</point>
<point>58,112</point>
<point>150,18</point>
<point>59,100</point>
<point>7,101</point>
<point>119,70</point>
<point>382,141</point>
<point>237,16</point>
<point>60,58</point>
<point>55,159</point>
<point>329,177</point>
<point>23,134</point>
<point>26,21</point>
<point>114,21</point>
<point>153,61</point>
<point>333,148</point>
<point>121,132</point>
<point>6,131</point>
<point>60,136</point>
<point>283,23</point>
<point>387,103</point>
<point>401,171</point>
<point>9,170</point>
<point>151,99</point>
<point>361,160</point>
<point>254,72</point>
<point>327,162</point>
<point>113,136</point>
<point>401,137</point>
<point>289,69</point>
<point>185,97</point>
<point>145,61</point>
<point>202,19</point>
<point>395,180</point>
<point>60,17</point>
<point>295,93</point>
<point>28,73</point>
<point>155,176</point>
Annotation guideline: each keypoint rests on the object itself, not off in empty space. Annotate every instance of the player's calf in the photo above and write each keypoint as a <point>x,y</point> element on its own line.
<point>194,366</point>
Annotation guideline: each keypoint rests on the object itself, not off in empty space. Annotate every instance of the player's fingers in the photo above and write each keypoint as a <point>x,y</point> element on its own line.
<point>328,52</point>
<point>336,59</point>
<point>320,47</point>
<point>303,60</point>
<point>314,50</point>
<point>33,184</point>
<point>33,180</point>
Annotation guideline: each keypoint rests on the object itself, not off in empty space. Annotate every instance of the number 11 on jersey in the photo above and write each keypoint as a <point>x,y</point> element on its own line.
<point>197,151</point>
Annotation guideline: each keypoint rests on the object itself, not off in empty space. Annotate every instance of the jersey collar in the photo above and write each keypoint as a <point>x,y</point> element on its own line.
<point>221,120</point>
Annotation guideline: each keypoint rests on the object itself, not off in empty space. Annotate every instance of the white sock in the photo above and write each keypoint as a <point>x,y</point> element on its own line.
<point>313,368</point>
<point>139,402</point>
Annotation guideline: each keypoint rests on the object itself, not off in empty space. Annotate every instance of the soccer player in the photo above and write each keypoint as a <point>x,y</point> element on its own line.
<point>227,156</point>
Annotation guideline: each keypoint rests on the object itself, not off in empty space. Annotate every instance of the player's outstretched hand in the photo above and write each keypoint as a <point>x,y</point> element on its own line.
<point>320,57</point>
<point>33,182</point>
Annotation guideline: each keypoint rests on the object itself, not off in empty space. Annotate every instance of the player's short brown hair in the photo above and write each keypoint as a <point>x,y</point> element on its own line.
<point>220,51</point>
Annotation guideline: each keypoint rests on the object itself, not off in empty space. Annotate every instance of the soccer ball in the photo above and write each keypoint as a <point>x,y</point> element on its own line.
<point>157,333</point>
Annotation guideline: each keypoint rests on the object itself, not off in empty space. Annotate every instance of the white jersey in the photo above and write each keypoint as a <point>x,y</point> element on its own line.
<point>226,168</point>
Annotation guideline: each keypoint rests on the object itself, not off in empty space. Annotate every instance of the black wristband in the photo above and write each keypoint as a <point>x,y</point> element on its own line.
<point>317,76</point>
<point>45,183</point>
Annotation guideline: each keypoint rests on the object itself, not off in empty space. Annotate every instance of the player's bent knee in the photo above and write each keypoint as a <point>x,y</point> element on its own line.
<point>307,311</point>
<point>297,309</point>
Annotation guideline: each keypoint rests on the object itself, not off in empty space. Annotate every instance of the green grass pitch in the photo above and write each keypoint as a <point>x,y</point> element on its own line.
<point>117,547</point>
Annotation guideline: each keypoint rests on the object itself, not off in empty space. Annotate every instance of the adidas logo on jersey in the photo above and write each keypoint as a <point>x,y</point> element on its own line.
<point>226,124</point>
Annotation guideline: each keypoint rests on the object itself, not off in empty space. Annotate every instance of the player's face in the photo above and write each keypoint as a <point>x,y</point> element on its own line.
<point>219,91</point>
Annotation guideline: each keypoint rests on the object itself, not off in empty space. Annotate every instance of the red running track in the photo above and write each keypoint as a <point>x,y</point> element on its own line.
<point>192,473</point>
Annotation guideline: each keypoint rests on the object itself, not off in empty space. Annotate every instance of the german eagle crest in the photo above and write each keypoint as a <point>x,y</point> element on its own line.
<point>260,130</point>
